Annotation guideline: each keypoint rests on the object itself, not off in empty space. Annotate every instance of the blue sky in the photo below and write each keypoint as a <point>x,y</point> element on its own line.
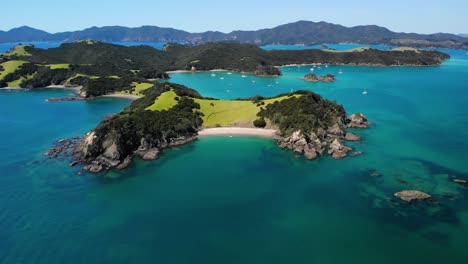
<point>419,16</point>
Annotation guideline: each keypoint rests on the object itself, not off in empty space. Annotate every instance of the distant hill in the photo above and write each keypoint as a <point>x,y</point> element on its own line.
<point>301,32</point>
<point>463,35</point>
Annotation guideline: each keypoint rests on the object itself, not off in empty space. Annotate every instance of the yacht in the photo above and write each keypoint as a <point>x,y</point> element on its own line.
<point>365,92</point>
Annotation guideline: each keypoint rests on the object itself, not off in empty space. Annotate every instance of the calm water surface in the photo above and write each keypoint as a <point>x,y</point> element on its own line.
<point>242,199</point>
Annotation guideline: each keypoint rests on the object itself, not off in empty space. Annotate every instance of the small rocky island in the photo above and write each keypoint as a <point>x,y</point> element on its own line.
<point>312,77</point>
<point>305,122</point>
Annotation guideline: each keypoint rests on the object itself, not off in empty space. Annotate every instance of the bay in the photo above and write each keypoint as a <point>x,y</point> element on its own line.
<point>242,199</point>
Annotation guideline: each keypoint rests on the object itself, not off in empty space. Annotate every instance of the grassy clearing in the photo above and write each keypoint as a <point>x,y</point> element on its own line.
<point>79,75</point>
<point>350,50</point>
<point>138,88</point>
<point>9,67</point>
<point>58,66</point>
<point>230,112</point>
<point>406,49</point>
<point>19,81</point>
<point>164,102</point>
<point>18,51</point>
<point>227,112</point>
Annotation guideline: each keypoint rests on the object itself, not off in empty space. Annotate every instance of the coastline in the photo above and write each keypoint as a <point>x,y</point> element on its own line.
<point>121,96</point>
<point>63,87</point>
<point>358,65</point>
<point>73,88</point>
<point>13,89</point>
<point>238,131</point>
<point>188,71</point>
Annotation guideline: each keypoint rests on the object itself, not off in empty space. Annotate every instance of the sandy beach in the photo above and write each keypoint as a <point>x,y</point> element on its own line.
<point>178,71</point>
<point>122,96</point>
<point>187,71</point>
<point>238,131</point>
<point>73,88</point>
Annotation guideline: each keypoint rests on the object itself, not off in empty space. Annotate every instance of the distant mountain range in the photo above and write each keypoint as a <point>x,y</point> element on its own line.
<point>463,35</point>
<point>301,32</point>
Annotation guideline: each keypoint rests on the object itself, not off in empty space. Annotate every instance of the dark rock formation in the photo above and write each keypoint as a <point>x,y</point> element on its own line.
<point>357,120</point>
<point>412,195</point>
<point>312,77</point>
<point>66,99</point>
<point>374,173</point>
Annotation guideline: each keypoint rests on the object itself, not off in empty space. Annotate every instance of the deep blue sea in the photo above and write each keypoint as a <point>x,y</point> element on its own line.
<point>243,199</point>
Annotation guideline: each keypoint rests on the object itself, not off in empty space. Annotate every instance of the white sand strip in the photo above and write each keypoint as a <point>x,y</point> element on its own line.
<point>122,96</point>
<point>238,131</point>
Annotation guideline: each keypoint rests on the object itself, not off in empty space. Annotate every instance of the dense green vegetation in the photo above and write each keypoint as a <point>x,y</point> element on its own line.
<point>260,123</point>
<point>306,113</point>
<point>156,127</point>
<point>106,68</point>
<point>170,113</point>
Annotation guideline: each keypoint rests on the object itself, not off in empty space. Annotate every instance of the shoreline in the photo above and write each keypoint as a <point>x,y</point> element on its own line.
<point>62,87</point>
<point>121,96</point>
<point>359,65</point>
<point>238,131</point>
<point>13,89</point>
<point>189,71</point>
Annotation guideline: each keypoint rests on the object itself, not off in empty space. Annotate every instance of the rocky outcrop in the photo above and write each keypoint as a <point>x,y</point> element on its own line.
<point>114,157</point>
<point>316,144</point>
<point>66,99</point>
<point>312,77</point>
<point>338,150</point>
<point>151,154</point>
<point>352,137</point>
<point>357,120</point>
<point>63,147</point>
<point>412,195</point>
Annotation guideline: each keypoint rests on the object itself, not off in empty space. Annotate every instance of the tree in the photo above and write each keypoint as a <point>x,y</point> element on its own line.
<point>260,123</point>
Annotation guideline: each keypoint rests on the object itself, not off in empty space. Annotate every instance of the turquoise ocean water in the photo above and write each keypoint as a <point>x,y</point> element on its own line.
<point>242,199</point>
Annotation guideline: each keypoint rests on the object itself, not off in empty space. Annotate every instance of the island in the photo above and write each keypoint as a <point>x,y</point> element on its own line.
<point>312,77</point>
<point>170,115</point>
<point>100,68</point>
<point>167,114</point>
